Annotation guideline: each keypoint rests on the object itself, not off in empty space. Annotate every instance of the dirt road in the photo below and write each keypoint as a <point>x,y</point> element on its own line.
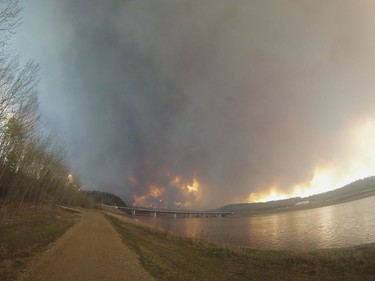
<point>90,250</point>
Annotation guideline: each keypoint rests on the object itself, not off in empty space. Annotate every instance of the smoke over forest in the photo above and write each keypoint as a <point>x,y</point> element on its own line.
<point>195,104</point>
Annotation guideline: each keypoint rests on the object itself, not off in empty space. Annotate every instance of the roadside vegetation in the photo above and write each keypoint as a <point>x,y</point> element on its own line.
<point>171,257</point>
<point>33,171</point>
<point>34,176</point>
<point>25,234</point>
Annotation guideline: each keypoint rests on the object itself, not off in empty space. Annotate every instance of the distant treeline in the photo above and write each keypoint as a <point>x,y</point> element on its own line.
<point>32,166</point>
<point>105,198</point>
<point>356,190</point>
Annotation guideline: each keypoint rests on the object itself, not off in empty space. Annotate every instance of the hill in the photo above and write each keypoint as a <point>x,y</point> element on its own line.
<point>356,190</point>
<point>105,198</point>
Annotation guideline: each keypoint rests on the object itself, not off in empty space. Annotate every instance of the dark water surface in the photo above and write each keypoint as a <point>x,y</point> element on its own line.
<point>342,225</point>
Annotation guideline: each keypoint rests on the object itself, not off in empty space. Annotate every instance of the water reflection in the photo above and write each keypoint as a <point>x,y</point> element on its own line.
<point>342,225</point>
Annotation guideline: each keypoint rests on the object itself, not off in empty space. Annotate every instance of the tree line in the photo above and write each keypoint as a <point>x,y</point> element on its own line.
<point>105,198</point>
<point>32,166</point>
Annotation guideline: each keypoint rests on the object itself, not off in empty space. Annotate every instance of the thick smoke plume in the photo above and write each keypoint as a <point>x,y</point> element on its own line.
<point>238,96</point>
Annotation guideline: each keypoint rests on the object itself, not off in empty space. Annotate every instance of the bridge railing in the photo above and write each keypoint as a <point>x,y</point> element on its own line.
<point>173,213</point>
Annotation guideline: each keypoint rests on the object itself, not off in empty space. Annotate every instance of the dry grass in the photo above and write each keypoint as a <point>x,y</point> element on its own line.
<point>26,232</point>
<point>171,257</point>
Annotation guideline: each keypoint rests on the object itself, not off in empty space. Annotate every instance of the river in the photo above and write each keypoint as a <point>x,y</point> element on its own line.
<point>343,225</point>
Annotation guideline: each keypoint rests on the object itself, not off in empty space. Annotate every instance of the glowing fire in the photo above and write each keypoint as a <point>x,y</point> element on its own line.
<point>176,181</point>
<point>156,191</point>
<point>269,195</point>
<point>184,193</point>
<point>140,200</point>
<point>359,163</point>
<point>194,187</point>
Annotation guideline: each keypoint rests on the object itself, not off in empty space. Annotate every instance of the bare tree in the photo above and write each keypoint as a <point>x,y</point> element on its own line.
<point>32,167</point>
<point>9,18</point>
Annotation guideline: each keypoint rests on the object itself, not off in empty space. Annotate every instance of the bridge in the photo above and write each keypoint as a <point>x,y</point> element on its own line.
<point>172,213</point>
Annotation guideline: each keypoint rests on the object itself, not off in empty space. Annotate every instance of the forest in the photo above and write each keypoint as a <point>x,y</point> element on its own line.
<point>33,169</point>
<point>104,198</point>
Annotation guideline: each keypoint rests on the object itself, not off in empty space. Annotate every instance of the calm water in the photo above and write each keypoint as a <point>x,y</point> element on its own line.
<point>343,225</point>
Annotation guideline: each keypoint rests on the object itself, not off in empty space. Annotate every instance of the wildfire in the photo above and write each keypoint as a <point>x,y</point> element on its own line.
<point>176,181</point>
<point>140,200</point>
<point>178,193</point>
<point>359,163</point>
<point>156,191</point>
<point>270,195</point>
<point>194,187</point>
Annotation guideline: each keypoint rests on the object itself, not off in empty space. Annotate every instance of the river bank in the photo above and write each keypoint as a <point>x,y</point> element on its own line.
<point>166,256</point>
<point>171,257</point>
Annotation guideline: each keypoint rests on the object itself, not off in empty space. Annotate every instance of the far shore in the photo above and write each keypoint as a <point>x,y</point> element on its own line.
<point>307,206</point>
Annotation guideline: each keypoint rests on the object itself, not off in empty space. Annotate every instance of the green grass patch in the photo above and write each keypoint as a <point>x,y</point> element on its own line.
<point>171,257</point>
<point>24,234</point>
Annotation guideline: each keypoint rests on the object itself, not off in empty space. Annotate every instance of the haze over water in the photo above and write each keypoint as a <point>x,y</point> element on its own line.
<point>343,225</point>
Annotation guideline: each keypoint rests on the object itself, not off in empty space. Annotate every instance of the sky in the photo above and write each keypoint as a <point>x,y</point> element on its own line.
<point>196,104</point>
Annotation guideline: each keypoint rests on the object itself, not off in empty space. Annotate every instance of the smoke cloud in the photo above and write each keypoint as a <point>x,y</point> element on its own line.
<point>152,97</point>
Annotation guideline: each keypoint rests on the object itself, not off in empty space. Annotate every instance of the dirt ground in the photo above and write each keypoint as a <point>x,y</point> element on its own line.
<point>90,250</point>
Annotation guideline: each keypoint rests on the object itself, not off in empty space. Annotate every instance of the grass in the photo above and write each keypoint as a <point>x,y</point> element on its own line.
<point>25,233</point>
<point>171,257</point>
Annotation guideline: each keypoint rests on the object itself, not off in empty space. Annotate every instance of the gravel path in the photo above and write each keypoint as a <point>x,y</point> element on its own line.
<point>90,250</point>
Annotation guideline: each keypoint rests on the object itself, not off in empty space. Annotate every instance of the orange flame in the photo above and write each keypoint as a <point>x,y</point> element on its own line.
<point>140,200</point>
<point>358,163</point>
<point>157,196</point>
<point>272,194</point>
<point>176,181</point>
<point>156,191</point>
<point>194,187</point>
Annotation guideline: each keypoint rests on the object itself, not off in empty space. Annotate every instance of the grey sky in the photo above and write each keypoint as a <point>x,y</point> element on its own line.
<point>241,95</point>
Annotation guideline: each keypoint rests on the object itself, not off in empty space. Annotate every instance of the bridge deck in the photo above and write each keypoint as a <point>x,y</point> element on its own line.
<point>175,213</point>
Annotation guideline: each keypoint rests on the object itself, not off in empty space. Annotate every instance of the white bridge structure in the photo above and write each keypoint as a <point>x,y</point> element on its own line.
<point>172,213</point>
